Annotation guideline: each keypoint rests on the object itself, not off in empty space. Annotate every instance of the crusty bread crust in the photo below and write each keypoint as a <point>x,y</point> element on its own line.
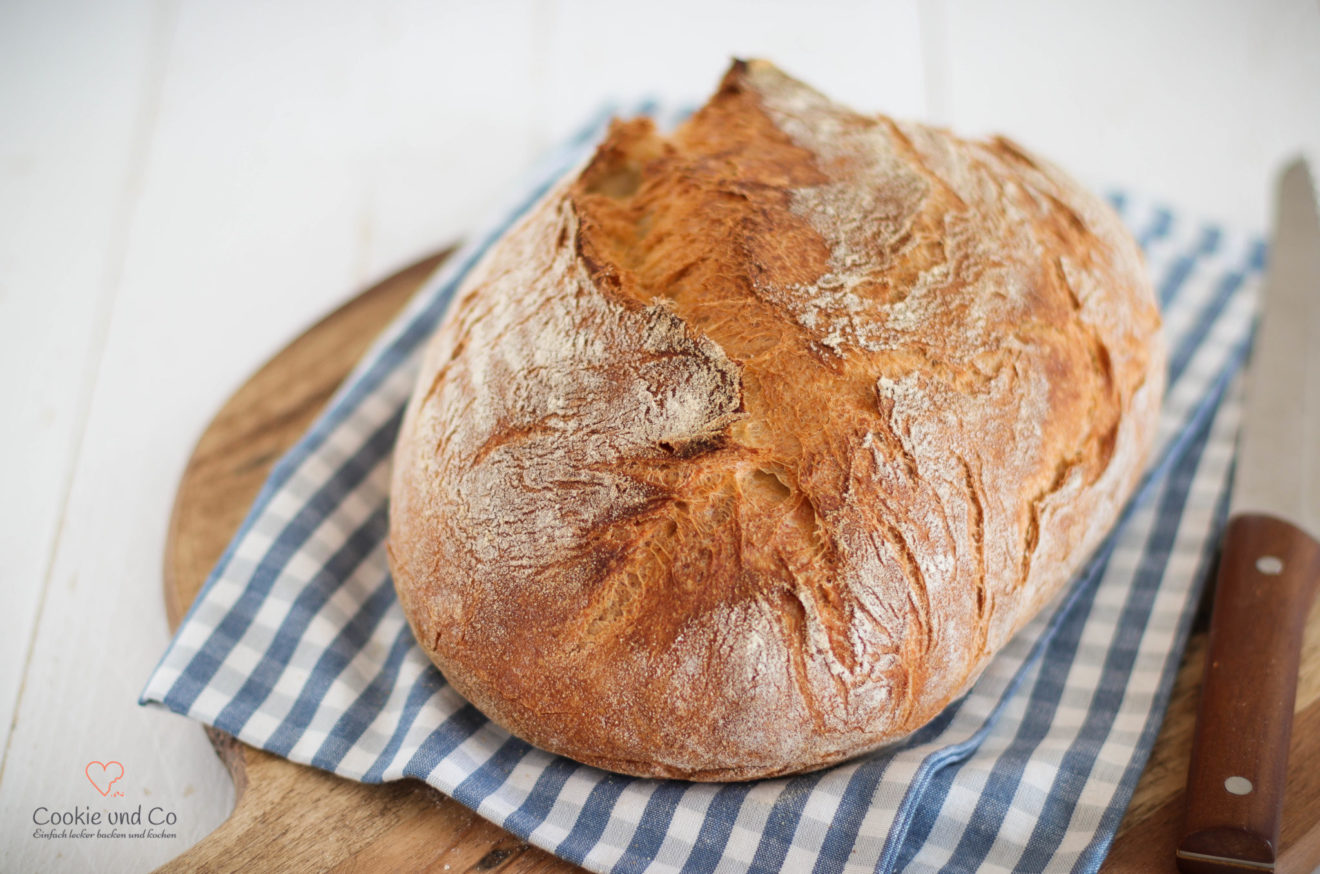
<point>748,447</point>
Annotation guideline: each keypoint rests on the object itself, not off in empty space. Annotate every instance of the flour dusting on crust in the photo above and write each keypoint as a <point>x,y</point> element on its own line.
<point>748,447</point>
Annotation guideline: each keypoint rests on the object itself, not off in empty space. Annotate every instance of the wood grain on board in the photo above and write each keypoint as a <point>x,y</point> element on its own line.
<point>291,817</point>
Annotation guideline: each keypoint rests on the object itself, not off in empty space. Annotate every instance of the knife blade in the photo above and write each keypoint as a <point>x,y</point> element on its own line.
<point>1269,569</point>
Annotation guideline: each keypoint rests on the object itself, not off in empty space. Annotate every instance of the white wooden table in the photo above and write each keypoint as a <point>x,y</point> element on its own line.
<point>184,185</point>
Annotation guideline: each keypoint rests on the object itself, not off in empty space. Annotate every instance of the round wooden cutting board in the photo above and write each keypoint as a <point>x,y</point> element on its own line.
<point>295,818</point>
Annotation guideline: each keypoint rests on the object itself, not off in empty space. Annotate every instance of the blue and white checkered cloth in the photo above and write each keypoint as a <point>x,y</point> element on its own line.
<point>298,645</point>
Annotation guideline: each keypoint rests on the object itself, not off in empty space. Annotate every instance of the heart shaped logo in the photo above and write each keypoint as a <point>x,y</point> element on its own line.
<point>103,775</point>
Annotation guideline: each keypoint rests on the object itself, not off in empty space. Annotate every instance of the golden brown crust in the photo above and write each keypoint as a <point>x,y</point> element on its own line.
<point>746,449</point>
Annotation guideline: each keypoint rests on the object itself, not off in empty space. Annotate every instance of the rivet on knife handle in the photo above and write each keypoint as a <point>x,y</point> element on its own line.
<point>1267,580</point>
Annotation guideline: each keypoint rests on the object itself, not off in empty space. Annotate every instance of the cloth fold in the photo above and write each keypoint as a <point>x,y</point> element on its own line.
<point>298,645</point>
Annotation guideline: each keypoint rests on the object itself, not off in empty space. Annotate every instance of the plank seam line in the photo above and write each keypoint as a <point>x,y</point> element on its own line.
<point>162,40</point>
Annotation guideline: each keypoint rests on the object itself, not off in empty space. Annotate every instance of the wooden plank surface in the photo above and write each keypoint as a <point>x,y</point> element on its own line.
<point>151,258</point>
<point>70,158</point>
<point>352,827</point>
<point>1085,67</point>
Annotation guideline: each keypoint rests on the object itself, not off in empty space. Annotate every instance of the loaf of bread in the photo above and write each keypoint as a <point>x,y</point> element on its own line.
<point>750,445</point>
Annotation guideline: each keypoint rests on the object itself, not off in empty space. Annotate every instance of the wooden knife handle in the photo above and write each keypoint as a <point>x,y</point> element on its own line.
<point>1268,577</point>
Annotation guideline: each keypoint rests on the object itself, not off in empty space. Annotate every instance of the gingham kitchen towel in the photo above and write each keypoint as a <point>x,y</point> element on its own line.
<point>297,643</point>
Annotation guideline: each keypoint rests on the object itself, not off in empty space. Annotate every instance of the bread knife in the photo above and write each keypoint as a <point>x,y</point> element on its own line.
<point>1269,568</point>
